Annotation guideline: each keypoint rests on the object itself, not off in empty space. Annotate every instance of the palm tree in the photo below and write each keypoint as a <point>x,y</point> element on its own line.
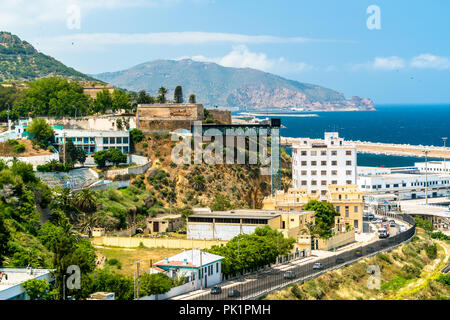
<point>87,222</point>
<point>86,201</point>
<point>162,95</point>
<point>312,230</point>
<point>199,182</point>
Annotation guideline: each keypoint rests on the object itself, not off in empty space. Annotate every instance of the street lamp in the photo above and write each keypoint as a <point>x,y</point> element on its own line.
<point>136,280</point>
<point>426,175</point>
<point>444,139</point>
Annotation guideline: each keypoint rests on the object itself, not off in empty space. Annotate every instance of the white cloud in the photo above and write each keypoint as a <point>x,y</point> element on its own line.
<point>241,57</point>
<point>17,14</point>
<point>429,61</point>
<point>388,63</point>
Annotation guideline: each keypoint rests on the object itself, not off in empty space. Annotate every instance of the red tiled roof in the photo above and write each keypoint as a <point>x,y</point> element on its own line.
<point>159,269</point>
<point>176,264</point>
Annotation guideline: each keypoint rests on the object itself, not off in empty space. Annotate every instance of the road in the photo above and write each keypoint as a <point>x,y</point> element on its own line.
<point>257,285</point>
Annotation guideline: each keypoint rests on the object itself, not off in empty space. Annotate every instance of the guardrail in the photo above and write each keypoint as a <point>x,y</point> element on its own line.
<point>267,282</point>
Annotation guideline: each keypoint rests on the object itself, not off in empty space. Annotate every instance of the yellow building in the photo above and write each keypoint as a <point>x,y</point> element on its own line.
<point>346,199</point>
<point>348,202</point>
<point>293,199</point>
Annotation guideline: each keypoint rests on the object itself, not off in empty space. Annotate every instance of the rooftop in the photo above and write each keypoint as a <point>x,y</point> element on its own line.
<point>258,214</point>
<point>190,258</point>
<point>17,276</point>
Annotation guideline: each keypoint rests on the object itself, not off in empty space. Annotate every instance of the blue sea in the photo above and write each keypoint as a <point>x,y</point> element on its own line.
<point>410,124</point>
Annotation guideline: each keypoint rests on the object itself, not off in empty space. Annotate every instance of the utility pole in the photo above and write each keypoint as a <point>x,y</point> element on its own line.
<point>201,270</point>
<point>64,147</point>
<point>75,111</point>
<point>136,280</point>
<point>426,175</point>
<point>445,140</point>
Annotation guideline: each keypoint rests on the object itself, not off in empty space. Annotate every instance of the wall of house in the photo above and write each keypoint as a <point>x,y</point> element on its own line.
<point>129,242</point>
<point>36,160</point>
<point>223,116</point>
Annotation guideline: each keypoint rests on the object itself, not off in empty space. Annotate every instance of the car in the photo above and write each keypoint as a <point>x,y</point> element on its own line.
<point>216,290</point>
<point>392,223</point>
<point>402,228</point>
<point>317,266</point>
<point>384,219</point>
<point>233,293</point>
<point>376,221</point>
<point>289,275</point>
<point>371,216</point>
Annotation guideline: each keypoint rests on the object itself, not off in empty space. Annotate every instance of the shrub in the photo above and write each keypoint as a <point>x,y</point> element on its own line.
<point>431,251</point>
<point>12,142</point>
<point>439,235</point>
<point>19,148</point>
<point>114,262</point>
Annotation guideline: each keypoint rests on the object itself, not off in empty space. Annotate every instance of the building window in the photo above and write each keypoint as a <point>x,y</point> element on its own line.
<point>314,173</point>
<point>304,182</point>
<point>112,140</point>
<point>346,211</point>
<point>348,152</point>
<point>303,153</point>
<point>217,267</point>
<point>334,173</point>
<point>348,162</point>
<point>349,181</point>
<point>125,149</point>
<point>314,183</point>
<point>304,163</point>
<point>356,209</point>
<point>334,163</point>
<point>92,139</point>
<point>348,172</point>
<point>334,153</point>
<point>119,140</point>
<point>338,209</point>
<point>324,182</point>
<point>334,182</point>
<point>86,140</point>
<point>313,153</point>
<point>323,192</point>
<point>79,139</point>
<point>125,140</point>
<point>323,163</point>
<point>314,163</point>
<point>323,172</point>
<point>304,172</point>
<point>105,141</point>
<point>323,153</point>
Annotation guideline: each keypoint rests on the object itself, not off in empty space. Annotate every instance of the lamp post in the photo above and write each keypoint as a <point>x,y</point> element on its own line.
<point>426,175</point>
<point>444,139</point>
<point>75,110</point>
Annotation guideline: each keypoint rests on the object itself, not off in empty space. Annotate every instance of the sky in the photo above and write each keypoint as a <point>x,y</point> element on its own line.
<point>390,51</point>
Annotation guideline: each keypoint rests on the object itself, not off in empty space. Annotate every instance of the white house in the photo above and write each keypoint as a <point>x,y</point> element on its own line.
<point>194,265</point>
<point>11,280</point>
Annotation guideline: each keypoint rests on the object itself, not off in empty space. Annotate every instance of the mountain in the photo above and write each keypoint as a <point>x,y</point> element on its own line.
<point>20,61</point>
<point>243,88</point>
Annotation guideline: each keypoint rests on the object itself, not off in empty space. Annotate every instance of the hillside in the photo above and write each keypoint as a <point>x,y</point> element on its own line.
<point>409,272</point>
<point>20,61</point>
<point>243,88</point>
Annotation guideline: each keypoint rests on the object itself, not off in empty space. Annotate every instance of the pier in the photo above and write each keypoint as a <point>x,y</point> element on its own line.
<point>388,148</point>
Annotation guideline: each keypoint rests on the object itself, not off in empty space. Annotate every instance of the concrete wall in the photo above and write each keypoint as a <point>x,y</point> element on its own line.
<point>128,242</point>
<point>218,231</point>
<point>92,123</point>
<point>339,240</point>
<point>223,116</point>
<point>187,287</point>
<point>143,165</point>
<point>36,160</point>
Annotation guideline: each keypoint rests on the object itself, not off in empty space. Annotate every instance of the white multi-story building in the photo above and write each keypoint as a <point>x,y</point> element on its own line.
<point>438,167</point>
<point>317,164</point>
<point>406,186</point>
<point>92,141</point>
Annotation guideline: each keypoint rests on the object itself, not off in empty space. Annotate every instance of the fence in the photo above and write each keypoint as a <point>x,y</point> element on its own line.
<point>264,283</point>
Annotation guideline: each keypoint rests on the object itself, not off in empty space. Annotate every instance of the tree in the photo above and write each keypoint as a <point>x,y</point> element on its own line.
<point>221,203</point>
<point>4,237</point>
<point>103,101</point>
<point>41,132</point>
<point>100,158</point>
<point>86,200</point>
<point>136,136</point>
<point>74,154</point>
<point>324,217</point>
<point>104,280</point>
<point>121,100</point>
<point>178,95</point>
<point>144,98</point>
<point>155,283</point>
<point>116,156</point>
<point>192,98</point>
<point>162,95</point>
<point>36,289</point>
<point>198,182</point>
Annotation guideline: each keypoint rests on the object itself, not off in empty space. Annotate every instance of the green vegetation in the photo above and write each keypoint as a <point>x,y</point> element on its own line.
<point>439,235</point>
<point>192,98</point>
<point>36,289</point>
<point>424,224</point>
<point>409,272</point>
<point>161,98</point>
<point>19,61</point>
<point>55,166</point>
<point>41,132</point>
<point>113,155</point>
<point>249,252</point>
<point>324,217</point>
<point>178,95</point>
<point>74,154</point>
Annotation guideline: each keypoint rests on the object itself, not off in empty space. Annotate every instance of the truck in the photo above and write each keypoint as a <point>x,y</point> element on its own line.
<point>383,232</point>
